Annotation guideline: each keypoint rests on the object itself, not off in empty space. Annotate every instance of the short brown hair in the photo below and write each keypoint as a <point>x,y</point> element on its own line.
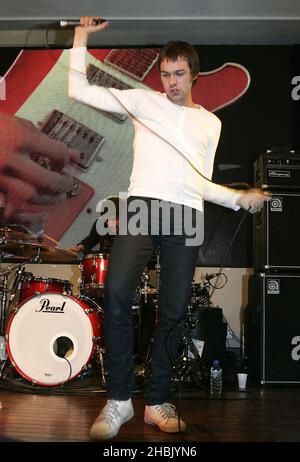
<point>176,49</point>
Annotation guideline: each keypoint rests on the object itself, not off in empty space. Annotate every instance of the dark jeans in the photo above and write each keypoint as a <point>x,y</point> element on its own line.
<point>128,259</point>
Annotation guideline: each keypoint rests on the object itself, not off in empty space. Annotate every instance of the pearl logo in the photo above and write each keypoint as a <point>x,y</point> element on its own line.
<point>295,353</point>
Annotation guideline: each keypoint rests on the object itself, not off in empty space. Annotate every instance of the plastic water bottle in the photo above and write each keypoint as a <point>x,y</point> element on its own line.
<point>216,379</point>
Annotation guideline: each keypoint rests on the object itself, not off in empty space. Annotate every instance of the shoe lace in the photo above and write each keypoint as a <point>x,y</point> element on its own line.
<point>111,412</point>
<point>166,410</point>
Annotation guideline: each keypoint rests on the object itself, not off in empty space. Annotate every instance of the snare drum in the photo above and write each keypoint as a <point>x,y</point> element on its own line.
<point>94,269</point>
<point>31,286</point>
<point>52,338</point>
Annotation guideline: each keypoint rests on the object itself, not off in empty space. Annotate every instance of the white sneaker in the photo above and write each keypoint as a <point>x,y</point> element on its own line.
<point>110,419</point>
<point>164,416</point>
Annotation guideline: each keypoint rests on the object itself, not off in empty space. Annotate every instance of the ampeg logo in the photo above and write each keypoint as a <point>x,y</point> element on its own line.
<point>295,353</point>
<point>276,204</point>
<point>273,286</point>
<point>279,174</point>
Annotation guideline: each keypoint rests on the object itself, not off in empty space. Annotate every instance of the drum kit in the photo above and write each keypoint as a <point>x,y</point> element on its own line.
<point>48,334</point>
<point>51,336</point>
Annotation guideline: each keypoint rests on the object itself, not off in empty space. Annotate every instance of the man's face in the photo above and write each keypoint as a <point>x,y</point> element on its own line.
<point>176,79</point>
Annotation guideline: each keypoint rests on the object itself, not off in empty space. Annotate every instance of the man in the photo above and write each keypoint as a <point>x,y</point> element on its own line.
<point>103,241</point>
<point>174,149</point>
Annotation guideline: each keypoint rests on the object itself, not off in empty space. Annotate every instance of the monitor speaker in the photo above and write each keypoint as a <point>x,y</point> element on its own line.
<point>272,328</point>
<point>276,234</point>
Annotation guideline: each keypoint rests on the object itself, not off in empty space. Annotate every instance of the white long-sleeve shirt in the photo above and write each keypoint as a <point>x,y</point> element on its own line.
<point>159,170</point>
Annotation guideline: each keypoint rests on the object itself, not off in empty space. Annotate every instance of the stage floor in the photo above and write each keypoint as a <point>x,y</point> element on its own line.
<point>261,414</point>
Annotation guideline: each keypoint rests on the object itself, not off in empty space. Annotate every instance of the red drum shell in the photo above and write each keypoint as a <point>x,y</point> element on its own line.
<point>94,269</point>
<point>32,286</point>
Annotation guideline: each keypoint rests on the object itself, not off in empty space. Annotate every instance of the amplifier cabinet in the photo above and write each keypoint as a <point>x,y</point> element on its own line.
<point>277,169</point>
<point>272,328</point>
<point>276,234</point>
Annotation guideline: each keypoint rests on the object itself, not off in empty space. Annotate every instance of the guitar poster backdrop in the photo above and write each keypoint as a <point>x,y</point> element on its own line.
<point>247,87</point>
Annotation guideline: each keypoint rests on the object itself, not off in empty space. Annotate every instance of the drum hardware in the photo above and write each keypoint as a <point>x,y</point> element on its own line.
<point>199,294</point>
<point>90,301</point>
<point>4,275</point>
<point>144,280</point>
<point>89,311</point>
<point>2,369</point>
<point>17,282</point>
<point>3,295</point>
<point>100,360</point>
<point>157,270</point>
<point>147,360</point>
<point>86,368</point>
<point>189,364</point>
<point>149,296</point>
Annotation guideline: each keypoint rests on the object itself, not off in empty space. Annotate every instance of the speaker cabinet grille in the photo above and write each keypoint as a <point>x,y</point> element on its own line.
<point>276,234</point>
<point>272,328</point>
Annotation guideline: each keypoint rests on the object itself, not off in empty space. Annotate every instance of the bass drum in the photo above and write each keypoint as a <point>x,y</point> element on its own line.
<point>51,338</point>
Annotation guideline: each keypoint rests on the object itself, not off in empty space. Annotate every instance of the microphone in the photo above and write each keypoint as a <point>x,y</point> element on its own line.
<point>208,277</point>
<point>76,22</point>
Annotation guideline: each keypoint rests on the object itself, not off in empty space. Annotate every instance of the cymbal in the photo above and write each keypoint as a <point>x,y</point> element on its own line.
<point>14,234</point>
<point>28,250</point>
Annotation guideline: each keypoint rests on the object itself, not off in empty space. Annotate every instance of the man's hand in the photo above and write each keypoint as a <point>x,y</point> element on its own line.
<point>31,166</point>
<point>77,248</point>
<point>253,200</point>
<point>86,28</point>
<point>87,23</point>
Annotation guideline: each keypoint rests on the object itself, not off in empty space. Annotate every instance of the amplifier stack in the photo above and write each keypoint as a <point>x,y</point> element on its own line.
<point>272,317</point>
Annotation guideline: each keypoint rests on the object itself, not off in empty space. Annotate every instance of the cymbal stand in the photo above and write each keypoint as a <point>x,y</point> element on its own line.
<point>4,275</point>
<point>3,300</point>
<point>147,361</point>
<point>157,272</point>
<point>189,362</point>
<point>144,279</point>
<point>101,354</point>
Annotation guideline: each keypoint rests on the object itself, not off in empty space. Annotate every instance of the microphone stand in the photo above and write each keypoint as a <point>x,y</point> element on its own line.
<point>189,362</point>
<point>147,361</point>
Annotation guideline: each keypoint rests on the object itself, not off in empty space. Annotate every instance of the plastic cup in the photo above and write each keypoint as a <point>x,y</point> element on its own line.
<point>242,380</point>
